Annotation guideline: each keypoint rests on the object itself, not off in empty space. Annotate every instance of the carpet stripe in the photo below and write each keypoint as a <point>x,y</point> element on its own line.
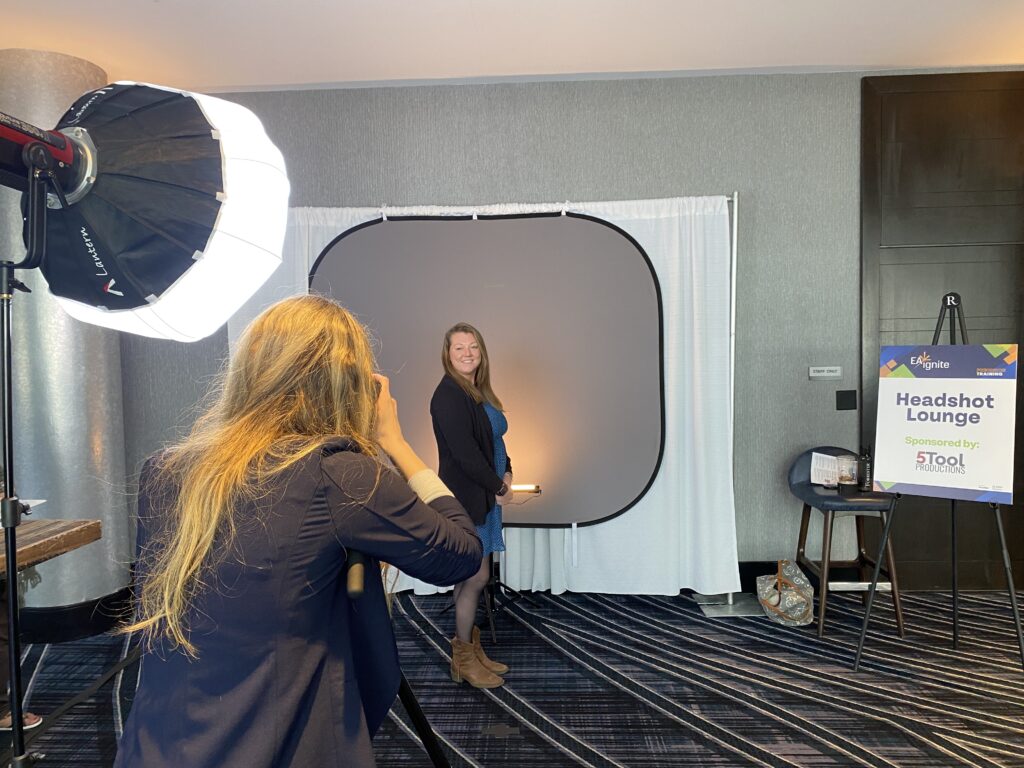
<point>411,733</point>
<point>507,689</point>
<point>927,674</point>
<point>705,728</point>
<point>646,682</point>
<point>849,708</point>
<point>785,718</point>
<point>852,706</point>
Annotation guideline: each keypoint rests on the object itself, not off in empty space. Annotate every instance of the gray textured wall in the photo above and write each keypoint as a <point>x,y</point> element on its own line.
<point>165,383</point>
<point>789,144</point>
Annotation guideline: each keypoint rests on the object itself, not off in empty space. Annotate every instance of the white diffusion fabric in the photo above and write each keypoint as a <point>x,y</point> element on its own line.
<point>682,532</point>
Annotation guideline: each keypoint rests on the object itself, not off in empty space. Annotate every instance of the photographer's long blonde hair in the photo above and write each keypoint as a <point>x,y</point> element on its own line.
<point>302,373</point>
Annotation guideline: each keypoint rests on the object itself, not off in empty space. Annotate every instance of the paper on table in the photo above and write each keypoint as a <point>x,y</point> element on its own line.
<point>824,469</point>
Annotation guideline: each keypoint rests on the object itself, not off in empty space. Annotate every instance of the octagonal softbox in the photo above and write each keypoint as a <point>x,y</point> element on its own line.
<point>181,217</point>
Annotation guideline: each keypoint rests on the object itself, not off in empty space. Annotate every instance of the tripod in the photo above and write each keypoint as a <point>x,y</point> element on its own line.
<point>355,575</point>
<point>952,303</point>
<point>496,590</point>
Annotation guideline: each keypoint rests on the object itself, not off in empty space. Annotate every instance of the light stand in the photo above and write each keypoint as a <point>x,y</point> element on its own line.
<point>175,201</point>
<point>40,165</point>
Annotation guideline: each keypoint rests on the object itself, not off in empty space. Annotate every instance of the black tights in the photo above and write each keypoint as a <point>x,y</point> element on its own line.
<point>467,598</point>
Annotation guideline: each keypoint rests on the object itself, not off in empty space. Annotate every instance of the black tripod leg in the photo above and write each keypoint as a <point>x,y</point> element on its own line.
<point>502,589</point>
<point>1009,580</point>
<point>956,587</point>
<point>938,325</point>
<point>516,595</point>
<point>448,607</point>
<point>422,725</point>
<point>874,585</point>
<point>490,607</point>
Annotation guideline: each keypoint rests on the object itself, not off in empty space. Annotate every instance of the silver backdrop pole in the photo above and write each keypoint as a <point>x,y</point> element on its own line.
<point>735,199</point>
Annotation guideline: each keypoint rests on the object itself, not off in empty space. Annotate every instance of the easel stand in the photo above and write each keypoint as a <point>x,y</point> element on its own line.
<point>952,303</point>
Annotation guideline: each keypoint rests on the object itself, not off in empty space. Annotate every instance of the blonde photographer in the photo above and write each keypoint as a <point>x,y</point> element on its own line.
<point>255,655</point>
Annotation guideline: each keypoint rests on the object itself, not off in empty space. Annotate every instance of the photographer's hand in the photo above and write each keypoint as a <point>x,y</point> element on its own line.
<point>389,432</point>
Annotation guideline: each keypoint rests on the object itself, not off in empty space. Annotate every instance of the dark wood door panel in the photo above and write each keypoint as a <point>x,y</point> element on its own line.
<point>952,167</point>
<point>953,113</point>
<point>942,209</point>
<point>953,225</point>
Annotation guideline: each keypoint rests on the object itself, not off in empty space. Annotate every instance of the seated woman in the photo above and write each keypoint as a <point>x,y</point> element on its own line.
<point>255,655</point>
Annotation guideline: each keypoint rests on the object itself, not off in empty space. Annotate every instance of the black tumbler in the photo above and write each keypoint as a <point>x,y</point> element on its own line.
<point>865,479</point>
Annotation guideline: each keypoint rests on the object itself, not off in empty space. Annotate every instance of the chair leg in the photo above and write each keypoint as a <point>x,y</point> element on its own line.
<point>826,556</point>
<point>862,559</point>
<point>801,542</point>
<point>890,564</point>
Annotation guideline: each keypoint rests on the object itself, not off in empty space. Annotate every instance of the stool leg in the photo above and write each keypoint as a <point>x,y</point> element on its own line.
<point>890,564</point>
<point>826,556</point>
<point>801,542</point>
<point>862,561</point>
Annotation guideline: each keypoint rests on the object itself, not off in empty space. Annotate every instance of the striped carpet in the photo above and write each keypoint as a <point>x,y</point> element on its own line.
<point>602,680</point>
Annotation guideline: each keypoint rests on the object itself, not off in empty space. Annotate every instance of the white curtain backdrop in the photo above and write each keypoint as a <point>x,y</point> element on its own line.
<point>682,533</point>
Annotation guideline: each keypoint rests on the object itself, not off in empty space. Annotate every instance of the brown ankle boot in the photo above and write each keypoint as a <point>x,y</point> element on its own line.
<point>466,666</point>
<point>494,666</point>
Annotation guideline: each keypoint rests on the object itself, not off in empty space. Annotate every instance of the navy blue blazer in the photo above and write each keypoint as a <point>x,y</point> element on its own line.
<point>290,671</point>
<point>465,449</point>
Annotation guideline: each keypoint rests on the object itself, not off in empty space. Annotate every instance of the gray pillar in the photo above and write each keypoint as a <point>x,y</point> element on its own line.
<point>68,424</point>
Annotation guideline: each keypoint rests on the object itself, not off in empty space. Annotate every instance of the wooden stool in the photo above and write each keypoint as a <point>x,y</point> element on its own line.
<point>832,505</point>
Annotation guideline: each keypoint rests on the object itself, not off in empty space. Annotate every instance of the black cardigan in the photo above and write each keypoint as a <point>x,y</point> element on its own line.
<point>465,449</point>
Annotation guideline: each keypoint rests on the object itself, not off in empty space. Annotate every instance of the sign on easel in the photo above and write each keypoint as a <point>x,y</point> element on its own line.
<point>946,417</point>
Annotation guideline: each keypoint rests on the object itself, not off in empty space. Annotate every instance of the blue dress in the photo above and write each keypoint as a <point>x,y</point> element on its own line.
<point>490,531</point>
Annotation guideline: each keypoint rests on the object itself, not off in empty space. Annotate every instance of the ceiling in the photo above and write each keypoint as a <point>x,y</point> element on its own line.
<point>225,45</point>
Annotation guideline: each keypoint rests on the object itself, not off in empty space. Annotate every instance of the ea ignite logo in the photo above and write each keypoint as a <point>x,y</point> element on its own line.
<point>925,362</point>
